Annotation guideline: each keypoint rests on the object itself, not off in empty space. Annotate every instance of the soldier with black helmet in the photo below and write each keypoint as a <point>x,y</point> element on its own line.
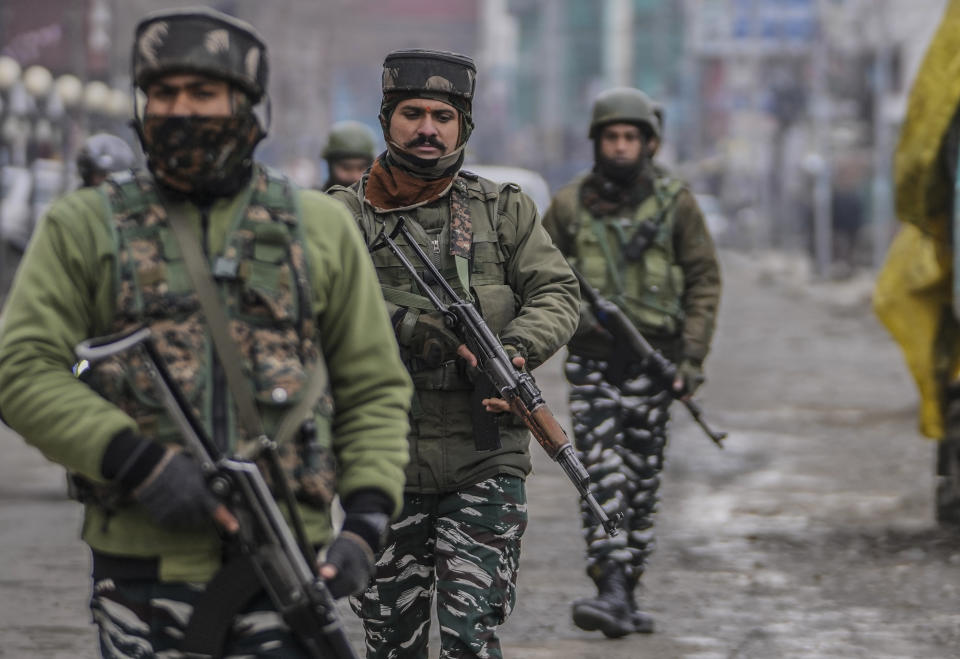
<point>349,151</point>
<point>299,297</point>
<point>635,232</point>
<point>101,154</point>
<point>465,500</point>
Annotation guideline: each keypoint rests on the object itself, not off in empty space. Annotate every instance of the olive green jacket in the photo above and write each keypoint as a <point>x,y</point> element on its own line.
<point>524,290</point>
<point>64,293</point>
<point>694,252</point>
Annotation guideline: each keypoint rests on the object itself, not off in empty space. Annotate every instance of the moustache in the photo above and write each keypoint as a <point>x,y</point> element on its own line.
<point>426,140</point>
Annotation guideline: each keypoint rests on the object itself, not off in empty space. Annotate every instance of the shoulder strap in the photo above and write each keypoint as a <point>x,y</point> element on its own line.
<point>198,269</point>
<point>461,234</point>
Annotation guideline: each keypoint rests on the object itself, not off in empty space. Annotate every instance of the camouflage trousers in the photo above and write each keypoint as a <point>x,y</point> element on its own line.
<point>465,547</point>
<point>620,432</point>
<point>145,619</point>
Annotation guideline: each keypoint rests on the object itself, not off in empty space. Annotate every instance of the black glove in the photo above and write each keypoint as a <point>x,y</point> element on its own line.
<point>176,495</point>
<point>432,341</point>
<point>352,553</point>
<point>691,371</point>
<point>165,481</point>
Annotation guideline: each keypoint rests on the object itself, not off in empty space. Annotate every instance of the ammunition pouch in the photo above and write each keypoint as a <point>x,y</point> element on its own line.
<point>643,237</point>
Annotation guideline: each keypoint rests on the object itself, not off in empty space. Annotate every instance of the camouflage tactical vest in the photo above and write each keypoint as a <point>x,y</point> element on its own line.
<point>263,277</point>
<point>648,289</point>
<point>475,207</point>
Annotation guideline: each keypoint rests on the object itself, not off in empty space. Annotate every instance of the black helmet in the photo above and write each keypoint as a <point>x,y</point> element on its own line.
<point>624,105</point>
<point>349,139</point>
<point>102,154</point>
<point>204,41</point>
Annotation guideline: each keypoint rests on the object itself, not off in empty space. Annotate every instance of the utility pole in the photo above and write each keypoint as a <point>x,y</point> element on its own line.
<point>822,189</point>
<point>881,137</point>
<point>552,103</point>
<point>618,43</point>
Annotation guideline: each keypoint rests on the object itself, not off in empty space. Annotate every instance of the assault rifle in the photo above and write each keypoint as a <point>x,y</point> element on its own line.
<point>612,319</point>
<point>264,544</point>
<point>516,387</point>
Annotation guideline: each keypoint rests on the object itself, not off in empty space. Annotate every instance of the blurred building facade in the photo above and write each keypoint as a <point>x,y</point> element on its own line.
<point>785,110</point>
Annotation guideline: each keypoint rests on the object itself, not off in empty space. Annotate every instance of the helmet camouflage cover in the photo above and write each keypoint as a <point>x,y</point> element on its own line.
<point>349,139</point>
<point>200,40</point>
<point>624,105</point>
<point>439,74</point>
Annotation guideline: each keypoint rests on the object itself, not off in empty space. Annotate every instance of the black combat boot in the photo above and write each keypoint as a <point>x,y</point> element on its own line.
<point>642,621</point>
<point>948,483</point>
<point>947,500</point>
<point>610,610</point>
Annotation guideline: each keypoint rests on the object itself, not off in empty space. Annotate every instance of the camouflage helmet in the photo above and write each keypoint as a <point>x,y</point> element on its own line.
<point>623,105</point>
<point>103,153</point>
<point>349,139</point>
<point>200,40</point>
<point>439,74</point>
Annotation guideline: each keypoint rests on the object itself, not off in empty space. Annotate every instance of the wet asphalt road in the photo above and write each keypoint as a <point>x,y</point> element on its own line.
<point>811,535</point>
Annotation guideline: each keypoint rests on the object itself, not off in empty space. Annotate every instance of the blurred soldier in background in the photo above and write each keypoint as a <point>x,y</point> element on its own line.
<point>297,288</point>
<point>102,154</point>
<point>637,235</point>
<point>465,503</point>
<point>349,153</point>
<point>917,296</point>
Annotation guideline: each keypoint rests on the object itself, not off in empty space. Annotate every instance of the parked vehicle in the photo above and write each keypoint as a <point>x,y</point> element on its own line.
<point>529,181</point>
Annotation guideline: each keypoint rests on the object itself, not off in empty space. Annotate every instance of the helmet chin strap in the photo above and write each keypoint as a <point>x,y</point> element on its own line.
<point>424,168</point>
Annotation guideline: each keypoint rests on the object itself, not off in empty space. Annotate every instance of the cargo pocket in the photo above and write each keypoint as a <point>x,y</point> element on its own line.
<point>496,304</point>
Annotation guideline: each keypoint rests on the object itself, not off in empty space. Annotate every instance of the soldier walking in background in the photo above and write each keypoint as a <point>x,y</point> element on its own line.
<point>637,235</point>
<point>349,152</point>
<point>465,500</point>
<point>100,155</point>
<point>298,294</point>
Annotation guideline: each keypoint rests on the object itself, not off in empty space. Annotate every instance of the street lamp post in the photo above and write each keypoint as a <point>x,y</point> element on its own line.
<point>69,90</point>
<point>38,82</point>
<point>96,101</point>
<point>9,77</point>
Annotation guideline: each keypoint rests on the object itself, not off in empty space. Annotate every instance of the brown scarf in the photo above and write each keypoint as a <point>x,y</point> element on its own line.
<point>602,195</point>
<point>392,187</point>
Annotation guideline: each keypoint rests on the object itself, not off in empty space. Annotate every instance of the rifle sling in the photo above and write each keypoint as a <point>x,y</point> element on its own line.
<point>198,269</point>
<point>225,596</point>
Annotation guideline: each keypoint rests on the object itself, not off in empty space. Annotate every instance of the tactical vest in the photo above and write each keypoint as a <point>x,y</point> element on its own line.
<point>649,289</point>
<point>472,261</point>
<point>264,280</point>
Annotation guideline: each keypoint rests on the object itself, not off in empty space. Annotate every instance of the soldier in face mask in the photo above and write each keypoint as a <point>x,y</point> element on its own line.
<point>465,501</point>
<point>298,291</point>
<point>636,234</point>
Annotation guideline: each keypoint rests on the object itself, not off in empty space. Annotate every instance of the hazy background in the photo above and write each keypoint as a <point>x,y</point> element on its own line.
<point>782,113</point>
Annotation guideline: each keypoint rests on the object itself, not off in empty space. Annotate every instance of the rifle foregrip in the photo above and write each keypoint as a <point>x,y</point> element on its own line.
<point>548,432</point>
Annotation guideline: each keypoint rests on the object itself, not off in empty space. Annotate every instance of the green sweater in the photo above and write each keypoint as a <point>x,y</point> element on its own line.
<point>64,293</point>
<point>694,251</point>
<point>525,292</point>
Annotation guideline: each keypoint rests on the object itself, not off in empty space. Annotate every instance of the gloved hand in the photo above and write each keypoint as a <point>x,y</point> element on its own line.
<point>689,376</point>
<point>432,341</point>
<point>352,554</point>
<point>175,493</point>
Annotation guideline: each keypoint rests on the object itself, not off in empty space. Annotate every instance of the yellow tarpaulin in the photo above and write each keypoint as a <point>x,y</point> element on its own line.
<point>914,288</point>
<point>922,192</point>
<point>912,293</point>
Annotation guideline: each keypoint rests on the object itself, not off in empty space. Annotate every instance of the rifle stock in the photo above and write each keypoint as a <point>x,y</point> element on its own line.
<point>282,563</point>
<point>516,387</point>
<point>615,321</point>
